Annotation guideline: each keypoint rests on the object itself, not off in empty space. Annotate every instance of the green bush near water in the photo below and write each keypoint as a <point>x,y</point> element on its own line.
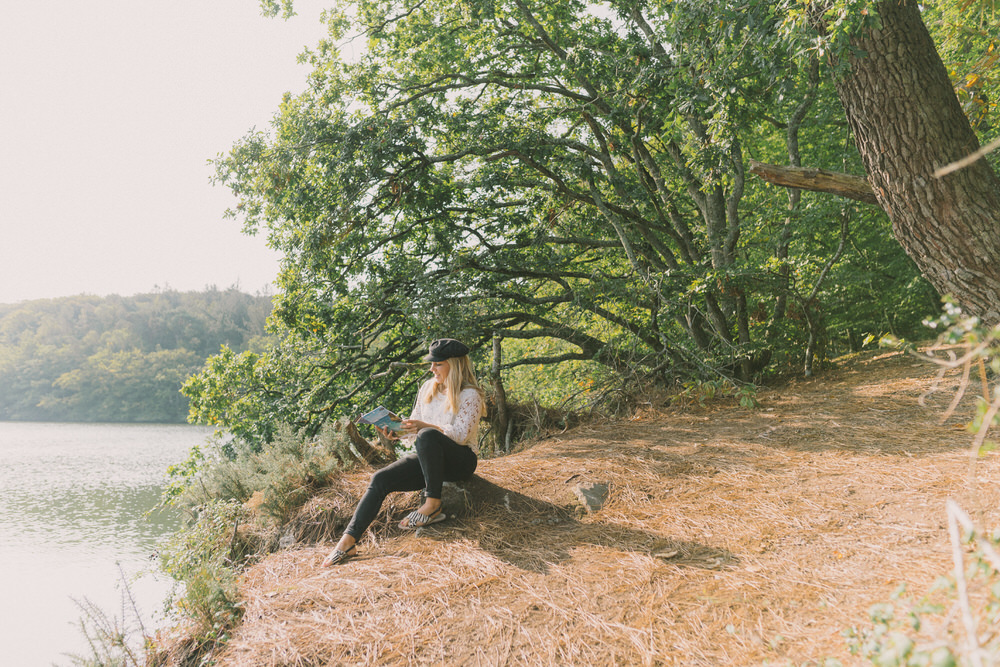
<point>205,557</point>
<point>284,473</point>
<point>238,498</point>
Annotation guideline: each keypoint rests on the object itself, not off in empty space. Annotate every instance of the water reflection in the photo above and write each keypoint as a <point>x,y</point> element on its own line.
<point>93,518</point>
<point>77,500</point>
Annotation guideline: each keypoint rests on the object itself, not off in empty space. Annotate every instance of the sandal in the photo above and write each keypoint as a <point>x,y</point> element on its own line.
<point>336,557</point>
<point>417,520</point>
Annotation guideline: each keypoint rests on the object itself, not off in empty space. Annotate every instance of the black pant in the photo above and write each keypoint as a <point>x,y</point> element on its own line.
<point>436,459</point>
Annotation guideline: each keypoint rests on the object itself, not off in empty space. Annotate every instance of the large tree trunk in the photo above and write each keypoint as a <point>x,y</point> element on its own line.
<point>907,122</point>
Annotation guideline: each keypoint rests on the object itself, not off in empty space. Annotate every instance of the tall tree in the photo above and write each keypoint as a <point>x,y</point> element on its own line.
<point>555,167</point>
<point>546,171</point>
<point>908,123</point>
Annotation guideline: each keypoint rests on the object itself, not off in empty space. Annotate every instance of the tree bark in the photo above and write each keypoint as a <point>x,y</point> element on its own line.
<point>907,122</point>
<point>370,453</point>
<point>501,419</point>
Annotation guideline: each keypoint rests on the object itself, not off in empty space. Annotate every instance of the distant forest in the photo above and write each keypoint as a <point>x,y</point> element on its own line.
<point>117,359</point>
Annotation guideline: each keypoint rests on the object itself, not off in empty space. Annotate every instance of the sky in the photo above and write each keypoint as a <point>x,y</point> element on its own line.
<point>109,113</point>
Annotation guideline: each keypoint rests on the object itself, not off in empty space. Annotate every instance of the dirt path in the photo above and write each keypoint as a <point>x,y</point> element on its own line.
<point>730,537</point>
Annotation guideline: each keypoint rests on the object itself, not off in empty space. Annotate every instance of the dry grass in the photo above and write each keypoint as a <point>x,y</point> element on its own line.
<point>730,537</point>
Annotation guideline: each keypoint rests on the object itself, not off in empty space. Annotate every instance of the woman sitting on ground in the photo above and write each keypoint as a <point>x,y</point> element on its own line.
<point>444,432</point>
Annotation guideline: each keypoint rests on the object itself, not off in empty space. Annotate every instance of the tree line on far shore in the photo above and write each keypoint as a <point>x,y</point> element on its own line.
<point>117,359</point>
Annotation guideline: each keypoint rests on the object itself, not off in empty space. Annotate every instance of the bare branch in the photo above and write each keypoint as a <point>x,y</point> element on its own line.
<point>968,159</point>
<point>816,180</point>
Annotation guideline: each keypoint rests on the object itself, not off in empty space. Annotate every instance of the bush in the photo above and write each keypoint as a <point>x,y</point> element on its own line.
<point>204,557</point>
<point>239,498</point>
<point>957,623</point>
<point>276,480</point>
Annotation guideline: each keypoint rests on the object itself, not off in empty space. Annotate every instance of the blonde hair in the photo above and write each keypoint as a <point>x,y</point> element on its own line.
<point>461,375</point>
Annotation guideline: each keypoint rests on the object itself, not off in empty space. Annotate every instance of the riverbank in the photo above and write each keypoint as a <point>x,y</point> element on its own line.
<point>730,537</point>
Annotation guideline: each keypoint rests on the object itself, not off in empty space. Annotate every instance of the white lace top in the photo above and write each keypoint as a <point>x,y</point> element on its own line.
<point>461,426</point>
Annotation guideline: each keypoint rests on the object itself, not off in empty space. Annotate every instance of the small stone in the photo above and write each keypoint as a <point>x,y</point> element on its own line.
<point>592,495</point>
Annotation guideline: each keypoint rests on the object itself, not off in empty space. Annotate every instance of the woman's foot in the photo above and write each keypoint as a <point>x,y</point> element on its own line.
<point>344,551</point>
<point>425,515</point>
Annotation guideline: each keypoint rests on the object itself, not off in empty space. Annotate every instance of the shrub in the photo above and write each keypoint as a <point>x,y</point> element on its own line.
<point>121,641</point>
<point>279,478</point>
<point>204,558</point>
<point>957,623</point>
<point>239,496</point>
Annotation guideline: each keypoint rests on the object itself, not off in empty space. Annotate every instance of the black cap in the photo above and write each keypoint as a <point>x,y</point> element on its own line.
<point>446,348</point>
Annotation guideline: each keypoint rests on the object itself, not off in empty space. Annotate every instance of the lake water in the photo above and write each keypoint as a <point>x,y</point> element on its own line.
<point>74,500</point>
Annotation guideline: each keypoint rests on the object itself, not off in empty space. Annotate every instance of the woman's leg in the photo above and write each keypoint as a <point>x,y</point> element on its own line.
<point>442,460</point>
<point>402,475</point>
<point>446,459</point>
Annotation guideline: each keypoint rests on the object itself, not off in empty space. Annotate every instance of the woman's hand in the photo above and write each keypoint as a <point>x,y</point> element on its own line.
<point>391,435</point>
<point>414,425</point>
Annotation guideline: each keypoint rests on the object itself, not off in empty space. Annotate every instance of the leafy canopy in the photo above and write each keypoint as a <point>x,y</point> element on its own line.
<point>570,172</point>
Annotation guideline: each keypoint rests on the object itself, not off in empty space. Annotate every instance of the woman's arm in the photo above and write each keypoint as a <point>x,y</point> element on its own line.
<point>414,422</point>
<point>461,425</point>
<point>470,408</point>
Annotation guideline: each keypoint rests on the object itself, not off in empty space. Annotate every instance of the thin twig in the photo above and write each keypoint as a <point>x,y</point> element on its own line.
<point>977,443</point>
<point>968,159</point>
<point>959,393</point>
<point>937,378</point>
<point>988,551</point>
<point>955,363</point>
<point>982,378</point>
<point>963,591</point>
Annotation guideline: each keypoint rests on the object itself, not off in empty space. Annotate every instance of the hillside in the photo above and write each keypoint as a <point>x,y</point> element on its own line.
<point>730,537</point>
<point>117,359</point>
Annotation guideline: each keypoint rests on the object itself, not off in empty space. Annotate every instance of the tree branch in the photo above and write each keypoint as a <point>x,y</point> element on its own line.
<point>816,180</point>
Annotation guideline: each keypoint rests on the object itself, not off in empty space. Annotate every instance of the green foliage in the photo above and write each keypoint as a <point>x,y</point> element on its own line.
<point>124,386</point>
<point>827,28</point>
<point>205,558</point>
<point>968,38</point>
<point>277,480</point>
<point>703,392</point>
<point>116,359</point>
<point>239,499</point>
<point>180,475</point>
<point>229,391</point>
<point>572,385</point>
<point>566,176</point>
